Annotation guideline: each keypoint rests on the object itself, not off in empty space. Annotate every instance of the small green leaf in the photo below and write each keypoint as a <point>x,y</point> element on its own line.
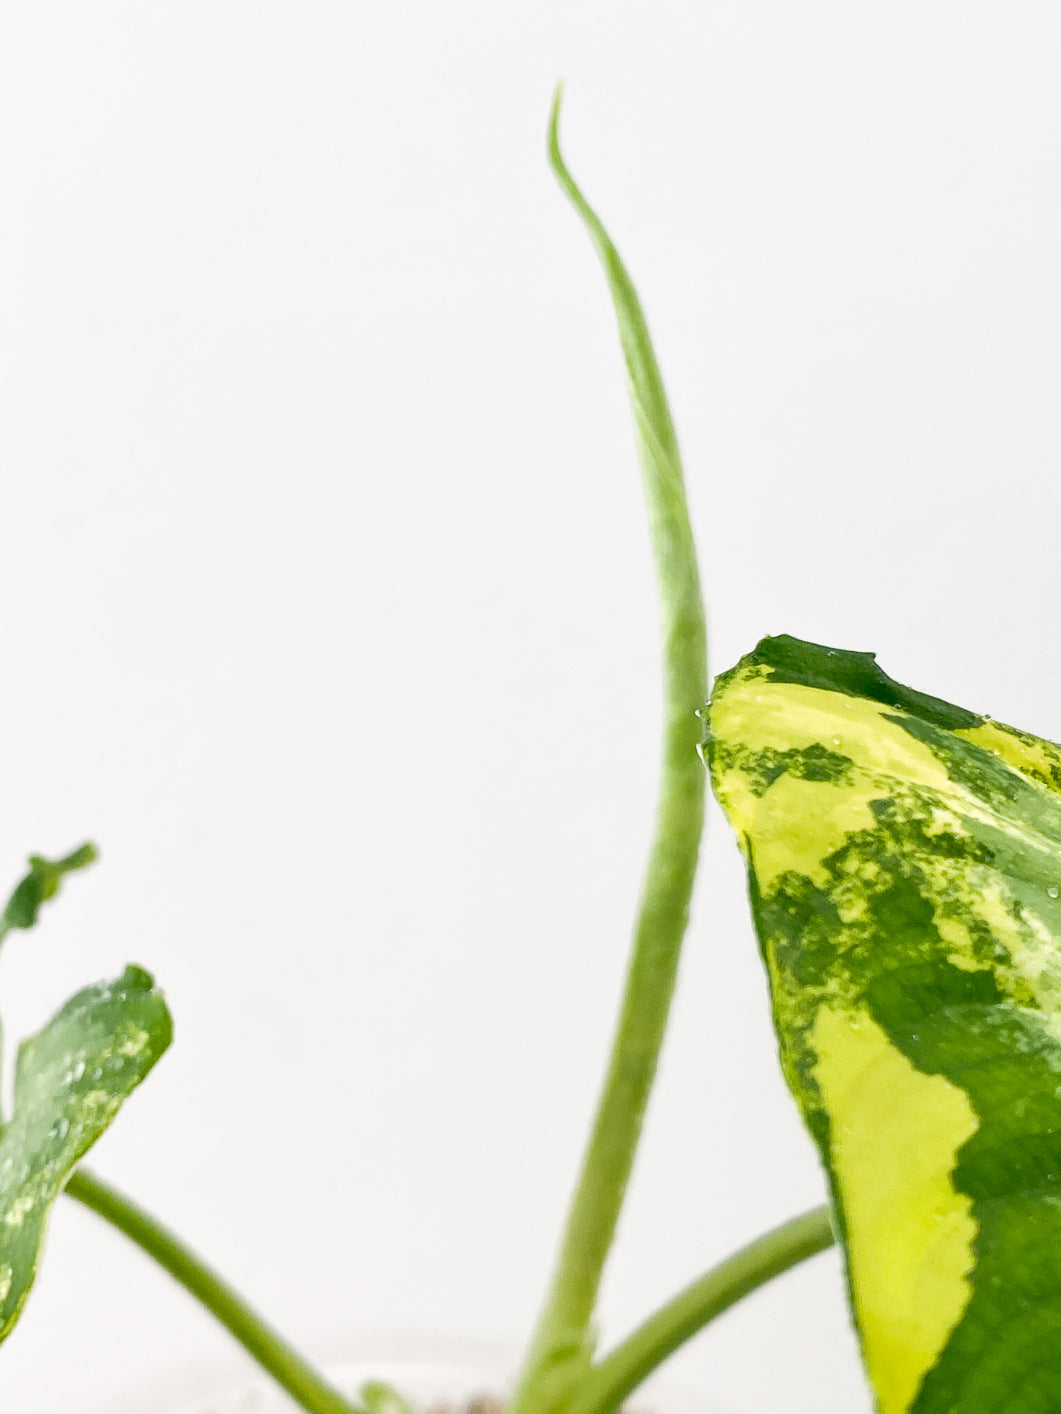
<point>904,862</point>
<point>70,1080</point>
<point>40,884</point>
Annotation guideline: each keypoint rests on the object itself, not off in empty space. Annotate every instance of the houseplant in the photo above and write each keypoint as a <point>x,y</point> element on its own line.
<point>130,1028</point>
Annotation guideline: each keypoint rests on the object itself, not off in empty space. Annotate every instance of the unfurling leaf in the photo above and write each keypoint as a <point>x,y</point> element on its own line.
<point>39,885</point>
<point>904,864</point>
<point>70,1080</point>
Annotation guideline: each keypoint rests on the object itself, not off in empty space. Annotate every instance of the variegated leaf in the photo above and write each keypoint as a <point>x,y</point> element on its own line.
<point>904,863</point>
<point>70,1080</point>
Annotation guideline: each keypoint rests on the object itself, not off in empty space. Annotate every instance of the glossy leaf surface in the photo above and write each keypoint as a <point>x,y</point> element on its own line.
<point>70,1080</point>
<point>904,863</point>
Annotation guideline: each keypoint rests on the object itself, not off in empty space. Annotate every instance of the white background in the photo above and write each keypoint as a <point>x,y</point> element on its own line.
<point>326,605</point>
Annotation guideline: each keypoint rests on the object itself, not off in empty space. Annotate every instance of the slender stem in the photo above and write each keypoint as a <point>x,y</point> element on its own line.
<point>561,1348</point>
<point>620,1372</point>
<point>305,1386</point>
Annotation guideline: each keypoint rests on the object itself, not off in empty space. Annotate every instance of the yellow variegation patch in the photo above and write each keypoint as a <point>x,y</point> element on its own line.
<point>894,1135</point>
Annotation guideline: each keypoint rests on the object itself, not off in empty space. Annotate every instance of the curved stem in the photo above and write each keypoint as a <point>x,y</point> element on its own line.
<point>561,1348</point>
<point>309,1389</point>
<point>634,1359</point>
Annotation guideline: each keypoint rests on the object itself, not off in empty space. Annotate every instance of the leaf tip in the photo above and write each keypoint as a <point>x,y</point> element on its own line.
<point>88,853</point>
<point>556,157</point>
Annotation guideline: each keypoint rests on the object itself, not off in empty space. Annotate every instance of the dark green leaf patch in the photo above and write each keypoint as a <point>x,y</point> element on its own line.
<point>812,763</point>
<point>853,674</point>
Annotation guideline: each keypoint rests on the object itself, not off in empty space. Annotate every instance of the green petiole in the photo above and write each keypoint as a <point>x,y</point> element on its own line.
<point>620,1372</point>
<point>301,1381</point>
